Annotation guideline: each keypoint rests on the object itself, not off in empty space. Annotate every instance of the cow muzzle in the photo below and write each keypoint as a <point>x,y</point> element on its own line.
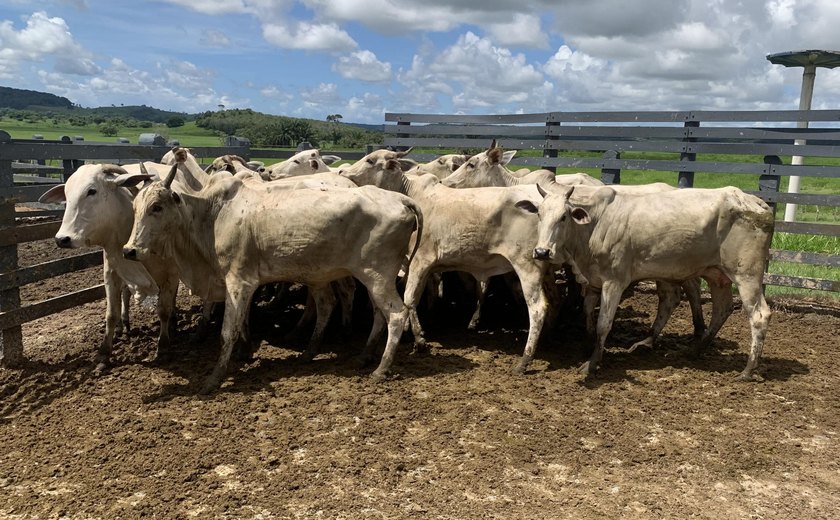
<point>63,241</point>
<point>541,253</point>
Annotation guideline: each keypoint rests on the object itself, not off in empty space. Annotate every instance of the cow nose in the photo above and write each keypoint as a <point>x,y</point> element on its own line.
<point>130,253</point>
<point>63,241</point>
<point>541,253</point>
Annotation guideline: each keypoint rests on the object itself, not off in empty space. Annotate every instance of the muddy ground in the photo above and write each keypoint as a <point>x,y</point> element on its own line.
<point>657,434</point>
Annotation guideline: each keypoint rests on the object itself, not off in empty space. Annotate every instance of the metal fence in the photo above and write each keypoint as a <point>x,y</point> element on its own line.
<point>683,143</point>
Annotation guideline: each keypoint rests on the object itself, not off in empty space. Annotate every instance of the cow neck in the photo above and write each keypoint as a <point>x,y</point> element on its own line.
<point>119,230</point>
<point>191,174</point>
<point>193,242</point>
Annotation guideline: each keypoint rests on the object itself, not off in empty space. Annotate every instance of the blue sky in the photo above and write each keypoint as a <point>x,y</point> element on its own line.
<point>362,58</point>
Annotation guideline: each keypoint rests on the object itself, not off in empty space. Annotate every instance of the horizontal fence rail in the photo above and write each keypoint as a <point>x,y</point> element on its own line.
<point>683,143</point>
<point>24,177</point>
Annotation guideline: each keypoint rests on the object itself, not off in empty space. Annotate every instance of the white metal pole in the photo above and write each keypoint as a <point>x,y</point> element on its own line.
<point>805,96</point>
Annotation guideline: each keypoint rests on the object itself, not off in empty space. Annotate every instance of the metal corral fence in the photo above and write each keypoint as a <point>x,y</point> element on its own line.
<point>659,141</point>
<point>24,177</point>
<point>683,143</point>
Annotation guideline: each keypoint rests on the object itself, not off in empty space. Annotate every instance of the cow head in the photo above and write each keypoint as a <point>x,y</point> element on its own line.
<point>98,208</point>
<point>306,162</point>
<point>485,169</point>
<point>556,213</point>
<point>380,168</point>
<point>156,215</point>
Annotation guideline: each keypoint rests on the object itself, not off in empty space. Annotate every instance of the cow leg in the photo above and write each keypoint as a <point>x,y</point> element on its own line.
<point>692,293</point>
<point>758,312</point>
<point>531,279</point>
<point>345,291</point>
<point>386,299</point>
<point>610,298</point>
<point>114,288</point>
<point>669,298</point>
<point>124,325</point>
<point>721,309</point>
<point>591,296</point>
<point>324,299</point>
<point>373,338</point>
<point>237,300</point>
<point>202,329</point>
<point>166,313</point>
<point>310,312</point>
<point>415,283</point>
<point>480,297</point>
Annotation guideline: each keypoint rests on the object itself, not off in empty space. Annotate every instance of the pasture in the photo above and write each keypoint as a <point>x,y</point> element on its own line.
<point>657,434</point>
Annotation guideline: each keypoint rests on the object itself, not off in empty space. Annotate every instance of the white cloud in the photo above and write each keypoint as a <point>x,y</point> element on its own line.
<point>523,30</point>
<point>324,95</point>
<point>43,37</point>
<point>364,66</point>
<point>213,38</point>
<point>307,36</point>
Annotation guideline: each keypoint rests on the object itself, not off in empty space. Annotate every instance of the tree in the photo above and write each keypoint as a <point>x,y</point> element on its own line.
<point>109,129</point>
<point>334,118</point>
<point>175,122</point>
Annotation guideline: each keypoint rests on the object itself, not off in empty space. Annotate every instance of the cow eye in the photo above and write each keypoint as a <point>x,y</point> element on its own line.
<point>296,161</point>
<point>471,165</point>
<point>91,192</point>
<point>370,161</point>
<point>157,208</point>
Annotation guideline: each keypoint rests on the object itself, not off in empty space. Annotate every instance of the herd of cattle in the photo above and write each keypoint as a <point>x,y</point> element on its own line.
<point>385,220</point>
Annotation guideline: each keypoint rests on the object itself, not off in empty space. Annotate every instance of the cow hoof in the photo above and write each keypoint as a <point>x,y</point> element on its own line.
<point>472,326</point>
<point>209,387</point>
<point>100,369</point>
<point>520,369</point>
<point>378,376</point>
<point>305,357</point>
<point>749,377</point>
<point>586,369</point>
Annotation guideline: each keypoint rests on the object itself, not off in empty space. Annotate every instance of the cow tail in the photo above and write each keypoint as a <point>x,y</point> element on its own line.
<point>418,217</point>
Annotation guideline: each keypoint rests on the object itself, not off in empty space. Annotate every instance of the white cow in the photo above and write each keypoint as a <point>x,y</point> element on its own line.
<point>247,237</point>
<point>613,239</point>
<point>99,213</point>
<point>441,167</point>
<point>302,163</point>
<point>476,231</point>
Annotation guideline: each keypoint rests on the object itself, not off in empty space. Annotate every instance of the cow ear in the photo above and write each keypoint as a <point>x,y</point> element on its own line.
<point>581,216</point>
<point>495,155</point>
<point>176,198</point>
<point>313,163</point>
<point>407,164</point>
<point>527,206</point>
<point>507,156</point>
<point>53,195</point>
<point>128,180</point>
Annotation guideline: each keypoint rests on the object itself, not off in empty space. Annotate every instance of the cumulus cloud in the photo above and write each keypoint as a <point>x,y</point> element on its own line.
<point>362,65</point>
<point>213,38</point>
<point>43,37</point>
<point>523,30</point>
<point>307,36</point>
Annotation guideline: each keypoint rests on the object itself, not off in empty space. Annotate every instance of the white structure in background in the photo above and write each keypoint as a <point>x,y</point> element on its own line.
<point>810,60</point>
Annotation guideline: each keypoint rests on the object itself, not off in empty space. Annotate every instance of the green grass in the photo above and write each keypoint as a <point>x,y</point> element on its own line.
<point>188,135</point>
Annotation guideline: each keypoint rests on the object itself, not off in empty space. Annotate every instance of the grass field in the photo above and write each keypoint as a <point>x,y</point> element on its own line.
<point>190,135</point>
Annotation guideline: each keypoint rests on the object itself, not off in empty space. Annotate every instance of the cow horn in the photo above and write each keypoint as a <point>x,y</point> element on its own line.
<point>404,152</point>
<point>541,191</point>
<point>569,194</point>
<point>170,177</point>
<point>113,169</point>
<point>143,169</point>
<point>492,144</point>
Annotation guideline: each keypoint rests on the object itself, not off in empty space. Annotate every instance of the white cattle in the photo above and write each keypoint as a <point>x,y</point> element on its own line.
<point>441,167</point>
<point>99,213</point>
<point>247,236</point>
<point>476,231</point>
<point>302,163</point>
<point>612,239</point>
<point>489,168</point>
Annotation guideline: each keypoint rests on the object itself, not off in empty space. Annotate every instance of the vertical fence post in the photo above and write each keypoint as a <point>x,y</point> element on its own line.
<point>11,340</point>
<point>769,182</point>
<point>611,175</point>
<point>402,136</point>
<point>685,179</point>
<point>550,152</point>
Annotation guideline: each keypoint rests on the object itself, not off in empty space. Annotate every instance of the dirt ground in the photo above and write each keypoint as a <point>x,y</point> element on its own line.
<point>657,433</point>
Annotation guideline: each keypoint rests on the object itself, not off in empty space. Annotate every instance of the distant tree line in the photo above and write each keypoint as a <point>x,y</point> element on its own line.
<point>270,130</point>
<point>21,99</point>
